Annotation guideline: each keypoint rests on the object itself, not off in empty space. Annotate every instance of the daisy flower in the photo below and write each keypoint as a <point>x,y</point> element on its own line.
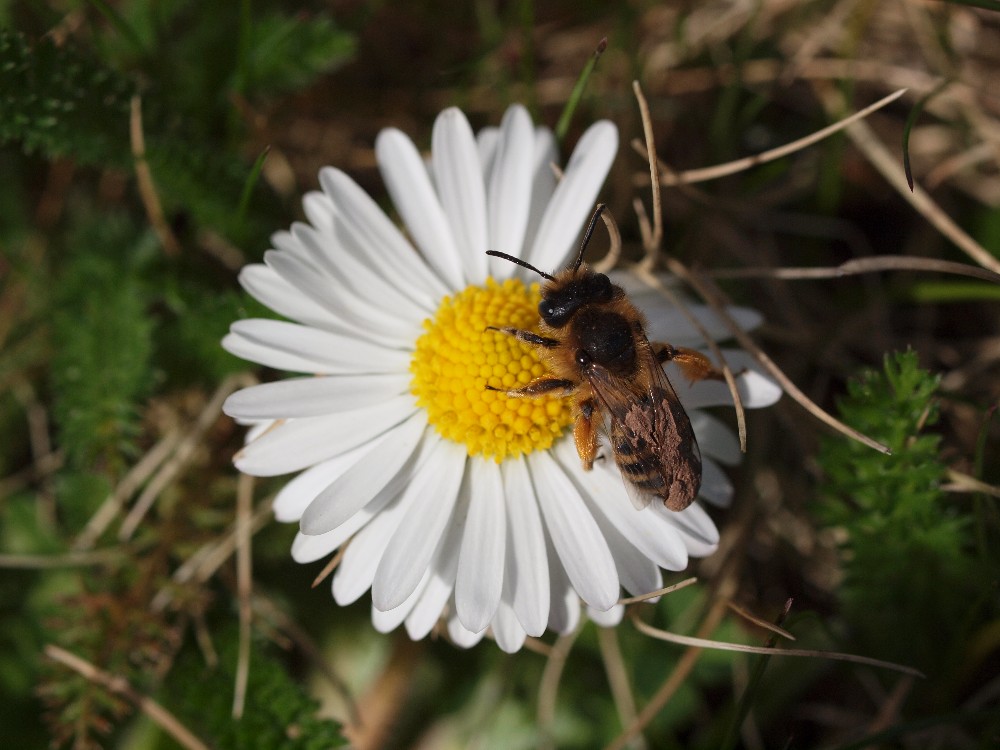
<point>454,503</point>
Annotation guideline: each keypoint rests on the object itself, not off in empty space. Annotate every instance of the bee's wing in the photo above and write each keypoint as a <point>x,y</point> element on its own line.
<point>651,435</point>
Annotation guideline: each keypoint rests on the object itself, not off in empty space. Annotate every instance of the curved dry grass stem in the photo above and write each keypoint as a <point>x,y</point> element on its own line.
<point>120,686</point>
<point>610,260</point>
<point>687,640</point>
<point>959,482</point>
<point>721,170</point>
<point>548,687</point>
<point>655,240</point>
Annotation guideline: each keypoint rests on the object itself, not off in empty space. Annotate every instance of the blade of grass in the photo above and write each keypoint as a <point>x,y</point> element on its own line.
<point>581,84</point>
<point>251,182</point>
<point>911,120</point>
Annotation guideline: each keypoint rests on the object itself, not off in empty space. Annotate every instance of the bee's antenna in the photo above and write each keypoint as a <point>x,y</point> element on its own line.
<point>586,236</point>
<point>522,263</point>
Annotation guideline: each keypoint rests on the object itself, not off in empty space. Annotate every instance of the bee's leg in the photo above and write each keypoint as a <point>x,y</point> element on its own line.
<point>694,365</point>
<point>585,434</point>
<point>527,337</point>
<point>539,387</point>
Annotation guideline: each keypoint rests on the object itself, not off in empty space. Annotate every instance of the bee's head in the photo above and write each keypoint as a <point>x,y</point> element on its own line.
<point>562,298</point>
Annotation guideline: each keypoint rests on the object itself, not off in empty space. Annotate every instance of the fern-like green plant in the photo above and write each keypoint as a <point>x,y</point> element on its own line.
<point>911,589</point>
<point>278,714</point>
<point>58,101</point>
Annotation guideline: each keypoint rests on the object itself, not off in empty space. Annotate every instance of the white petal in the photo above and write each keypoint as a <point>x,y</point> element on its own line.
<point>604,490</point>
<point>460,185</point>
<point>611,617</point>
<point>715,485</point>
<point>486,144</point>
<point>311,397</point>
<point>430,607</point>
<point>369,475</point>
<point>434,490</point>
<point>574,199</point>
<point>715,438</point>
<point>367,549</point>
<point>266,286</point>
<point>298,443</point>
<point>545,155</point>
<point>582,549</point>
<point>308,548</point>
<point>386,622</point>
<point>354,277</point>
<point>462,637</point>
<point>756,389</point>
<point>292,500</point>
<point>481,560</point>
<point>319,210</point>
<point>386,251</point>
<point>564,604</point>
<point>289,346</point>
<point>509,198</point>
<point>695,526</point>
<point>412,193</point>
<point>345,306</point>
<point>507,629</point>
<point>527,570</point>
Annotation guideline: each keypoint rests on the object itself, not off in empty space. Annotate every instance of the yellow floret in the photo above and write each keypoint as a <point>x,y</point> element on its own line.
<point>456,358</point>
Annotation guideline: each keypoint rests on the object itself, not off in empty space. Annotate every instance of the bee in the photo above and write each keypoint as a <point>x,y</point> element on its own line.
<point>593,340</point>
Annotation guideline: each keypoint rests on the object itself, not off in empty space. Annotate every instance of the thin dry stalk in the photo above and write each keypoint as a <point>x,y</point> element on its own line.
<point>759,621</point>
<point>621,689</point>
<point>332,565</point>
<point>183,454</point>
<point>54,562</point>
<point>244,587</point>
<point>548,687</point>
<point>655,239</point>
<point>147,188</point>
<point>610,260</point>
<point>119,685</point>
<point>872,264</point>
<point>960,482</point>
<point>132,480</point>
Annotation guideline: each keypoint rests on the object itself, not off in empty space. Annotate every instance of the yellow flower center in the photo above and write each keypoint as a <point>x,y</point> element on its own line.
<point>456,358</point>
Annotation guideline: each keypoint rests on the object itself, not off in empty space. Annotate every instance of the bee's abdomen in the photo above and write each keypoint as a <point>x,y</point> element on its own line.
<point>640,465</point>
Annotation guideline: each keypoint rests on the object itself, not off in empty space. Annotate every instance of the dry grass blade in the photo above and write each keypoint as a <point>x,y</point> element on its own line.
<point>960,482</point>
<point>119,685</point>
<point>759,621</point>
<point>687,640</point>
<point>721,170</point>
<point>655,238</point>
<point>878,155</point>
<point>54,562</point>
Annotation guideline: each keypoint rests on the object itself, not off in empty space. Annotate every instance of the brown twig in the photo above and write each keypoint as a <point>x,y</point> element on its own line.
<point>660,592</point>
<point>548,688</point>
<point>244,587</point>
<point>119,685</point>
<point>621,690</point>
<point>147,188</point>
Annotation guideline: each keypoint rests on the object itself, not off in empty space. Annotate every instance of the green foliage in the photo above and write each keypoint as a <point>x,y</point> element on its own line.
<point>910,570</point>
<point>57,101</point>
<point>102,338</point>
<point>287,53</point>
<point>278,714</point>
